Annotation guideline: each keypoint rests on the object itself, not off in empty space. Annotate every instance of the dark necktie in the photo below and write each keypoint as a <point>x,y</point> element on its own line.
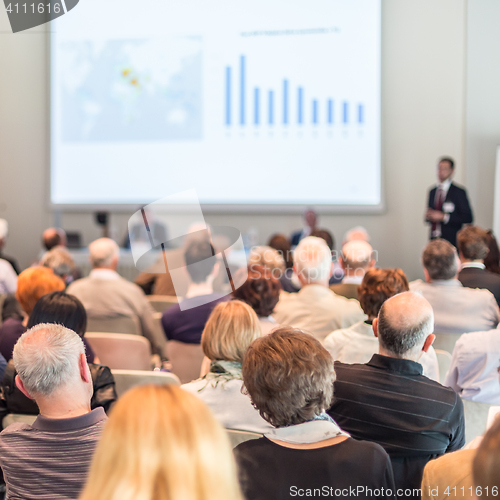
<point>438,204</point>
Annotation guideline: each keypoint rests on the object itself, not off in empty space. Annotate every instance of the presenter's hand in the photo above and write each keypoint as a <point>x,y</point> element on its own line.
<point>434,215</point>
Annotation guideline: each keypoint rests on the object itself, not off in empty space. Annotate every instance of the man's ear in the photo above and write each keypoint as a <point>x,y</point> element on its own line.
<point>375,327</point>
<point>21,387</point>
<point>426,276</point>
<point>428,342</point>
<point>84,369</point>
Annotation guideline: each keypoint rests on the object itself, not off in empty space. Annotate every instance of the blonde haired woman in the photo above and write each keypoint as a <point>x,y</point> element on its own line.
<point>230,329</point>
<point>168,447</point>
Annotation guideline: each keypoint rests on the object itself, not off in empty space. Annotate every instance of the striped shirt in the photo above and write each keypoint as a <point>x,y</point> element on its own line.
<point>51,458</point>
<point>390,402</point>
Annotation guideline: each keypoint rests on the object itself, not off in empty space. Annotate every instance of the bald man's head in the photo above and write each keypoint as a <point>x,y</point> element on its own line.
<point>405,321</point>
<point>357,255</point>
<point>53,237</point>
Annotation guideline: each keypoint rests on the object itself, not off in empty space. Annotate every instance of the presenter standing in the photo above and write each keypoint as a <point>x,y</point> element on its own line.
<point>448,207</point>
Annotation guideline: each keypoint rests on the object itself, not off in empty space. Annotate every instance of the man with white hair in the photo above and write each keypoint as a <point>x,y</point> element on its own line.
<point>51,457</point>
<point>4,230</point>
<point>356,259</point>
<point>389,401</point>
<point>315,308</point>
<point>105,294</point>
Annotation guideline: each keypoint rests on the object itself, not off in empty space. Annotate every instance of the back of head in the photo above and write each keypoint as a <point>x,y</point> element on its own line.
<point>404,322</point>
<point>267,257</point>
<point>230,329</point>
<point>486,465</point>
<point>440,260</point>
<point>472,242</point>
<point>261,290</point>
<point>282,244</point>
<point>313,260</point>
<point>35,282</point>
<point>162,443</point>
<point>62,309</point>
<point>59,260</point>
<point>492,260</point>
<point>289,376</point>
<point>356,255</point>
<point>46,358</point>
<point>356,233</point>
<point>326,235</point>
<point>104,252</point>
<point>200,260</point>
<point>53,237</point>
<point>377,286</point>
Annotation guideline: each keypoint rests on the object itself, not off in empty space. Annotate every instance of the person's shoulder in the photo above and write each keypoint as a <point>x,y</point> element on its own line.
<point>79,284</point>
<point>457,187</point>
<point>367,449</point>
<point>252,445</point>
<point>13,430</point>
<point>450,461</point>
<point>417,284</point>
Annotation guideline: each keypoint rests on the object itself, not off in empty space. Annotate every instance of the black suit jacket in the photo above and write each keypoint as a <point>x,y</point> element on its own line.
<point>462,214</point>
<point>473,277</point>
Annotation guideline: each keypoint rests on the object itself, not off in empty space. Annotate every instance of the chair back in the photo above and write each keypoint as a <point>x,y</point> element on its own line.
<point>444,362</point>
<point>12,418</point>
<point>186,360</point>
<point>476,417</point>
<point>121,351</point>
<point>161,303</point>
<point>114,324</point>
<point>236,437</point>
<point>125,379</point>
<point>445,341</point>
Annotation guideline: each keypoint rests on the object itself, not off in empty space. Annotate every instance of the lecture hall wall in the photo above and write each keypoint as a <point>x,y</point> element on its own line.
<point>440,81</point>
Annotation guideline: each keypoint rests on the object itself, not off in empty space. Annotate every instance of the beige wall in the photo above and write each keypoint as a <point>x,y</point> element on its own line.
<point>424,81</point>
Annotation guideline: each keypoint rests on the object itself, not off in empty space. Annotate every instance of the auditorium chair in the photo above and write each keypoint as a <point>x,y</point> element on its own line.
<point>445,341</point>
<point>125,379</point>
<point>114,324</point>
<point>185,359</point>
<point>476,417</point>
<point>121,351</point>
<point>236,437</point>
<point>444,361</point>
<point>161,303</point>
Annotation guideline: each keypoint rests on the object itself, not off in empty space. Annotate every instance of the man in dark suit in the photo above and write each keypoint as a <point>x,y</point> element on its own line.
<point>472,250</point>
<point>311,219</point>
<point>448,207</point>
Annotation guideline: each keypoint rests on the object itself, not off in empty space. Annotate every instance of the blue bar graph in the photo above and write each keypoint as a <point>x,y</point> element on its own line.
<point>285,102</point>
<point>360,114</point>
<point>300,99</point>
<point>330,110</point>
<point>242,90</point>
<point>315,111</point>
<point>346,112</point>
<point>228,95</point>
<point>256,104</point>
<point>271,107</point>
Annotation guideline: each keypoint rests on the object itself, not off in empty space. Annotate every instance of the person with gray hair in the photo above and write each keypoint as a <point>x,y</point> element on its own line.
<point>106,295</point>
<point>389,401</point>
<point>457,309</point>
<point>315,308</point>
<point>61,262</point>
<point>51,458</point>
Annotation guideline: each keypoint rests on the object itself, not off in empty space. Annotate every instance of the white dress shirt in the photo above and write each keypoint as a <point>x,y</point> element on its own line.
<point>444,186</point>
<point>358,344</point>
<point>8,277</point>
<point>473,371</point>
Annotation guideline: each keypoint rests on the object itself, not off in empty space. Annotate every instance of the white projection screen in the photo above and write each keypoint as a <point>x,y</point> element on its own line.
<point>267,104</point>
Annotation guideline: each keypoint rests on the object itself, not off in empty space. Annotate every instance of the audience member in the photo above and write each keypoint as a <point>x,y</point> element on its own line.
<point>472,244</point>
<point>473,371</point>
<point>66,310</point>
<point>315,308</point>
<point>456,309</point>
<point>33,283</point>
<point>230,329</point>
<point>356,259</point>
<point>486,465</point>
<point>185,322</point>
<point>50,458</point>
<point>358,233</point>
<point>168,447</point>
<point>390,402</point>
<point>54,237</point>
<point>492,259</point>
<point>8,277</point>
<point>289,377</point>
<point>61,262</point>
<point>281,243</point>
<point>273,260</point>
<point>310,221</point>
<point>337,271</point>
<point>105,294</point>
<point>4,231</point>
<point>358,343</point>
<point>261,291</point>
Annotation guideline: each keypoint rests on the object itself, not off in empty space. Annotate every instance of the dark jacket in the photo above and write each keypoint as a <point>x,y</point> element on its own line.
<point>473,277</point>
